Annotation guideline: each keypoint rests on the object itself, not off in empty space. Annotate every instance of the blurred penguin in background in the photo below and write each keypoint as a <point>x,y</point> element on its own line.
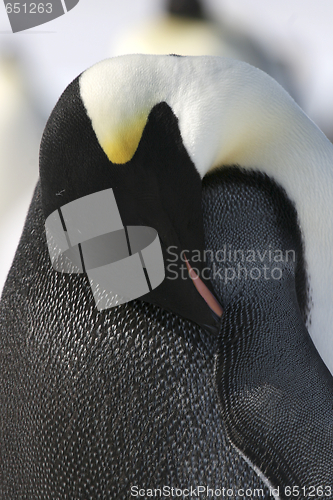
<point>187,28</point>
<point>20,133</point>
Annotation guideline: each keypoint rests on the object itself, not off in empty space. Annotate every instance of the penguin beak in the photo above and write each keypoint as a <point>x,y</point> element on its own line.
<point>186,289</point>
<point>183,292</point>
<point>204,291</point>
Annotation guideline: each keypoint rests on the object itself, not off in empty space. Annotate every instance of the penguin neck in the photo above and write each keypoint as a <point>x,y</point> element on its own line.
<point>300,159</point>
<point>290,149</point>
<point>272,134</point>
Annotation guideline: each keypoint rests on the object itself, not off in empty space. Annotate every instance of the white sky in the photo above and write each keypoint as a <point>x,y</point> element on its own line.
<point>58,51</point>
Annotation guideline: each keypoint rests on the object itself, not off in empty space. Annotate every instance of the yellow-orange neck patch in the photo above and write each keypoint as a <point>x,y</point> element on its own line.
<point>122,142</point>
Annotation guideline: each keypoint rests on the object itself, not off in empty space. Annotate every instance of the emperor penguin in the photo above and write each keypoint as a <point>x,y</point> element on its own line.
<point>204,380</point>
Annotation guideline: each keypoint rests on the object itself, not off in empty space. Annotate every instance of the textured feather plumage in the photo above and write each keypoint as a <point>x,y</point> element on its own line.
<point>95,402</point>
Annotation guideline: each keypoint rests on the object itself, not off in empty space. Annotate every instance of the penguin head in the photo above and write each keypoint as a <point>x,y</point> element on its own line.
<point>151,127</point>
<point>113,127</point>
<point>191,9</point>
